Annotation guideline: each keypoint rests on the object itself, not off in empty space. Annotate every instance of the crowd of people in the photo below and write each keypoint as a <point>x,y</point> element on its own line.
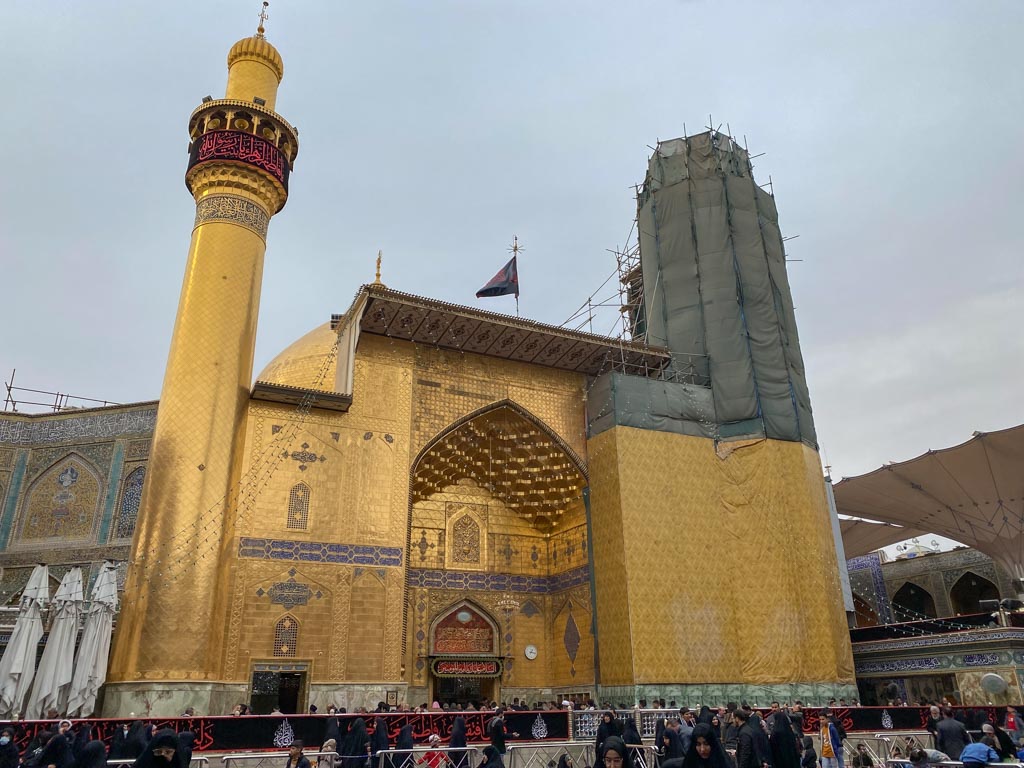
<point>66,746</point>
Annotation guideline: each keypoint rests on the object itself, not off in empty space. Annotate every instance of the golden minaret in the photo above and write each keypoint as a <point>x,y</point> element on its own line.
<point>172,625</point>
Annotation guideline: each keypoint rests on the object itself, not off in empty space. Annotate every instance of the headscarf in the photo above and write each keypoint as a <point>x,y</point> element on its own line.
<point>186,741</point>
<point>457,740</point>
<point>496,730</point>
<point>492,758</point>
<point>659,733</point>
<point>717,758</point>
<point>9,755</point>
<point>615,744</point>
<point>563,761</point>
<point>161,740</point>
<point>1004,744</point>
<point>354,751</point>
<point>630,735</point>
<point>674,748</point>
<point>405,739</point>
<point>380,743</point>
<point>93,755</point>
<point>704,716</point>
<point>57,751</point>
<point>333,732</point>
<point>783,743</point>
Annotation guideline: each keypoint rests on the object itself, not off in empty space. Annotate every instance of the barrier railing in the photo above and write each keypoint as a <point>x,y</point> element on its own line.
<point>197,762</point>
<point>538,755</point>
<point>430,757</point>
<point>276,759</point>
<point>586,722</point>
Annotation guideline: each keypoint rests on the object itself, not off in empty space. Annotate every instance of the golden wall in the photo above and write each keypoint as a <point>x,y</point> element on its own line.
<point>712,569</point>
<point>324,523</point>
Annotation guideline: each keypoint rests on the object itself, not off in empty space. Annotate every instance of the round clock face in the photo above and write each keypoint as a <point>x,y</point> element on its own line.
<point>531,651</point>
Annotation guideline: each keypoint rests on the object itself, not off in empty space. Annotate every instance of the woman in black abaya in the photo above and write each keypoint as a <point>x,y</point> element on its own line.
<point>356,748</point>
<point>784,746</point>
<point>457,740</point>
<point>705,750</point>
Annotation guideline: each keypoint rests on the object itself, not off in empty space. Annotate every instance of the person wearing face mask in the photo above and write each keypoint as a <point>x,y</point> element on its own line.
<point>162,752</point>
<point>9,756</point>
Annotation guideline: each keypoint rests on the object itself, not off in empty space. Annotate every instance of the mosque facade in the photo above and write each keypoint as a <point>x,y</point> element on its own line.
<point>418,500</point>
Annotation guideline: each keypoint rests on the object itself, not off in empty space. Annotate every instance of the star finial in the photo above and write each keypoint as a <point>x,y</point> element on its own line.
<point>515,249</point>
<point>261,29</point>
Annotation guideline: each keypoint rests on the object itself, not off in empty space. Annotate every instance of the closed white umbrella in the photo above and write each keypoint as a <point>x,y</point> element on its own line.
<point>18,665</point>
<point>53,678</point>
<point>94,650</point>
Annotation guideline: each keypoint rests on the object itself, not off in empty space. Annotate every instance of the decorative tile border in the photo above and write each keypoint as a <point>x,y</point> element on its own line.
<point>498,582</point>
<point>39,430</point>
<point>952,638</point>
<point>319,552</point>
<point>926,664</point>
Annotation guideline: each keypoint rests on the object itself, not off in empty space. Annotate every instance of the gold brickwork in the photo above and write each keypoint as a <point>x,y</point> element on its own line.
<point>758,607</point>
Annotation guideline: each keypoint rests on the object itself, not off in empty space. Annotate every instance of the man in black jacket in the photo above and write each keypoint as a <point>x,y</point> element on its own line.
<point>746,741</point>
<point>953,736</point>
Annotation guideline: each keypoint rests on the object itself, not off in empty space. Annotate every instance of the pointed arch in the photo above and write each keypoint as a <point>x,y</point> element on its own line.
<point>969,590</point>
<point>912,602</point>
<point>464,627</point>
<point>515,407</point>
<point>128,510</point>
<point>63,500</point>
<point>286,636</point>
<point>298,506</point>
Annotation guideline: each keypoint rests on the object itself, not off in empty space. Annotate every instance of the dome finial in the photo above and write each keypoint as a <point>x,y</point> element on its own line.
<point>260,30</point>
<point>380,255</point>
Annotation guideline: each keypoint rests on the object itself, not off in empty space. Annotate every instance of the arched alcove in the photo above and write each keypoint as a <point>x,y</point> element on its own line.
<point>968,592</point>
<point>913,603</point>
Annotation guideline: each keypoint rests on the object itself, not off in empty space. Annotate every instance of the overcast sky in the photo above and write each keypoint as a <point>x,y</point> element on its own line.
<point>437,129</point>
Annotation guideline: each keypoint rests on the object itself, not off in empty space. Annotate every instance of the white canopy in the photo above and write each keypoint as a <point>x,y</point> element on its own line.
<point>18,665</point>
<point>53,678</point>
<point>971,493</point>
<point>94,650</point>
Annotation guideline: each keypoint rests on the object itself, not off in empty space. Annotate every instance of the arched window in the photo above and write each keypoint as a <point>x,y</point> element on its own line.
<point>911,603</point>
<point>131,495</point>
<point>968,592</point>
<point>286,636</point>
<point>298,506</point>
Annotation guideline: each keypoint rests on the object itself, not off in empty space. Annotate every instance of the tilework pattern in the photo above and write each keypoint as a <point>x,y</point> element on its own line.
<point>497,582</point>
<point>62,502</point>
<point>319,552</point>
<point>237,210</point>
<point>131,495</point>
<point>41,430</point>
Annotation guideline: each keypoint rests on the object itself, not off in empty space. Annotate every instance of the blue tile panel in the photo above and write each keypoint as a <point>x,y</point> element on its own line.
<point>499,582</point>
<point>319,552</point>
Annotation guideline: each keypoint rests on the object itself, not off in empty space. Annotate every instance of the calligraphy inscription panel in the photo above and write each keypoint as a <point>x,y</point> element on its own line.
<point>242,147</point>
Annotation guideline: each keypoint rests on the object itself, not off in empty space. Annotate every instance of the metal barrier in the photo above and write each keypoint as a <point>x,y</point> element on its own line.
<point>197,762</point>
<point>586,722</point>
<point>459,757</point>
<point>275,759</point>
<point>539,754</point>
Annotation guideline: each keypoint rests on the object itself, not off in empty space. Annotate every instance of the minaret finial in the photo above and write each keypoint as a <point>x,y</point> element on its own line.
<point>380,255</point>
<point>261,29</point>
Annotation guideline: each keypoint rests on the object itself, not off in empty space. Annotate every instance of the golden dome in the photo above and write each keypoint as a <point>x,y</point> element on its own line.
<point>257,49</point>
<point>301,364</point>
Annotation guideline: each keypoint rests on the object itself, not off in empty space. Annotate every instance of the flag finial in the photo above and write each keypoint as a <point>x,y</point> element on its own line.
<point>515,249</point>
<point>261,29</point>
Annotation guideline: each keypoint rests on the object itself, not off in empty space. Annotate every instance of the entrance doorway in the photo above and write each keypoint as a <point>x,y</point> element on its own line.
<point>284,690</point>
<point>463,690</point>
